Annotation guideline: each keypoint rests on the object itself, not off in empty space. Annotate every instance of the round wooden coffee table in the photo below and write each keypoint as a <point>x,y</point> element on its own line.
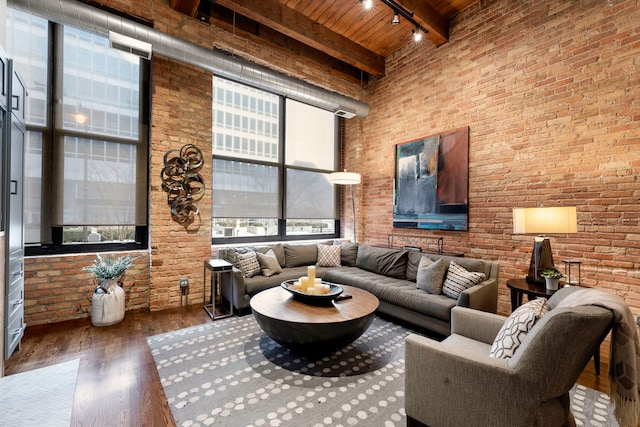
<point>311,329</point>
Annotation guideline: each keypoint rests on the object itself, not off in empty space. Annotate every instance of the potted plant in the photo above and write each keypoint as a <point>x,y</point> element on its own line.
<point>552,277</point>
<point>107,302</point>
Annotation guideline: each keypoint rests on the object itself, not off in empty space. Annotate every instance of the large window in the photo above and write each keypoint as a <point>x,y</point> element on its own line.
<point>271,159</point>
<point>86,155</point>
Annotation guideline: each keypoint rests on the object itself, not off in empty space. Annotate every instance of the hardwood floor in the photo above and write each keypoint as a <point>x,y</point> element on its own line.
<point>118,384</point>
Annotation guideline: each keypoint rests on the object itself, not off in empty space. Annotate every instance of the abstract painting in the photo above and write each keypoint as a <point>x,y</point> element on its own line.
<point>432,182</point>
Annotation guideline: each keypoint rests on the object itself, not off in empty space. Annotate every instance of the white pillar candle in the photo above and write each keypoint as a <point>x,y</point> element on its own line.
<point>304,283</point>
<point>311,273</point>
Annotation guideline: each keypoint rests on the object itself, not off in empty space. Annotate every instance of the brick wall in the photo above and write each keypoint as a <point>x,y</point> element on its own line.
<point>56,288</point>
<point>181,115</point>
<point>551,92</point>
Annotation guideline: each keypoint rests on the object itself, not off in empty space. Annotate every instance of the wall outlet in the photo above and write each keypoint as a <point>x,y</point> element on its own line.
<point>184,283</point>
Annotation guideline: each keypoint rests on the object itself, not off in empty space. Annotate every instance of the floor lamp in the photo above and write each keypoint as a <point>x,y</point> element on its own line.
<point>350,179</point>
<point>542,221</point>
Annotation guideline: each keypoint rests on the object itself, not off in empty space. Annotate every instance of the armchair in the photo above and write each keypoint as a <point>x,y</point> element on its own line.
<point>456,383</point>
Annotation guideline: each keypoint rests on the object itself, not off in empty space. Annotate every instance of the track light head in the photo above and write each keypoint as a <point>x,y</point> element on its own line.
<point>417,34</point>
<point>367,4</point>
<point>396,18</point>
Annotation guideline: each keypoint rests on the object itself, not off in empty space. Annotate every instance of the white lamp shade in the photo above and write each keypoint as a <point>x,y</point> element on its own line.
<point>562,219</point>
<point>344,178</point>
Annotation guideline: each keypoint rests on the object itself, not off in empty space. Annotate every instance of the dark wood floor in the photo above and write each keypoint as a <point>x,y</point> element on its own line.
<point>117,380</point>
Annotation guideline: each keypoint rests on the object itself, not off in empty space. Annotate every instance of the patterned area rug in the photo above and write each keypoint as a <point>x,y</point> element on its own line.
<point>229,373</point>
<point>39,397</point>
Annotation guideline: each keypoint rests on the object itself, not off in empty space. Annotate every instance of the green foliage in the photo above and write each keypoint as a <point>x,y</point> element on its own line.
<point>552,273</point>
<point>106,267</point>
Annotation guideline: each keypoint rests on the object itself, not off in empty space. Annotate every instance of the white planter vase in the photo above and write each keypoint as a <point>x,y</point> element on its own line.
<point>108,308</point>
<point>552,284</point>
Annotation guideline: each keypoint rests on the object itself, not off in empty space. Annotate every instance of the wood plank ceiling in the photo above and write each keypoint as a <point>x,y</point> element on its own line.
<point>340,36</point>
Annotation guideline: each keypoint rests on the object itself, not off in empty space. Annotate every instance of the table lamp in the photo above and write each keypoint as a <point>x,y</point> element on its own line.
<point>543,221</point>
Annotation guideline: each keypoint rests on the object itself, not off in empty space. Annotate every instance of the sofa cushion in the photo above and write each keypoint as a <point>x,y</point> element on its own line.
<point>413,260</point>
<point>401,293</point>
<point>269,263</point>
<point>458,279</point>
<point>348,254</point>
<point>328,255</point>
<point>430,275</point>
<point>298,255</point>
<point>277,249</point>
<point>248,263</point>
<point>516,328</point>
<point>388,262</point>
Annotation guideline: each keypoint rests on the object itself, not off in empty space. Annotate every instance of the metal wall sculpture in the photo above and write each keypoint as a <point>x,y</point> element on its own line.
<point>183,184</point>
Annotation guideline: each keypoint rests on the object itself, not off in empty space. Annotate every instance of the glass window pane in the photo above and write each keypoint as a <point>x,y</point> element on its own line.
<point>311,136</point>
<point>244,190</point>
<point>99,182</point>
<point>98,234</point>
<point>89,91</point>
<point>244,227</point>
<point>28,45</point>
<point>298,227</point>
<point>233,120</point>
<point>309,195</point>
<point>32,186</point>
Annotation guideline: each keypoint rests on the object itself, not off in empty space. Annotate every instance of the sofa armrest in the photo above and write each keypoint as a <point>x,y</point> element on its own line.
<point>474,324</point>
<point>483,296</point>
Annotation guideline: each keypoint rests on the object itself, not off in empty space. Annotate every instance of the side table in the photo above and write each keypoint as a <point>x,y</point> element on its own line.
<point>520,287</point>
<point>217,268</point>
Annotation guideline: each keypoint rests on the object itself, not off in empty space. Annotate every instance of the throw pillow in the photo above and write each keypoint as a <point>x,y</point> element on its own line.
<point>300,255</point>
<point>248,264</point>
<point>458,279</point>
<point>348,254</point>
<point>385,261</point>
<point>269,263</point>
<point>430,275</point>
<point>516,328</point>
<point>328,256</point>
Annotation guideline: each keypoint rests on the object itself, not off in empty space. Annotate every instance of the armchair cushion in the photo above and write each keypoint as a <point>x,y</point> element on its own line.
<point>458,279</point>
<point>517,327</point>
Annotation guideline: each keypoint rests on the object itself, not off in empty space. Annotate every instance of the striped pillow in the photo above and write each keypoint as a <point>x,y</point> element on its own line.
<point>458,279</point>
<point>248,263</point>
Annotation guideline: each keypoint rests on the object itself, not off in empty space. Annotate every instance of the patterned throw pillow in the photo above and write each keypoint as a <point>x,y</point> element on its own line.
<point>430,275</point>
<point>328,255</point>
<point>248,263</point>
<point>458,279</point>
<point>269,263</point>
<point>516,328</point>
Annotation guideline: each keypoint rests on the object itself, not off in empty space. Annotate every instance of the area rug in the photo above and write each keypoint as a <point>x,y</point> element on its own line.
<point>39,397</point>
<point>229,373</point>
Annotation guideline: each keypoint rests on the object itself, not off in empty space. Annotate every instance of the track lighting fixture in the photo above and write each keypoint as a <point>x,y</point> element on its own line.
<point>417,34</point>
<point>368,4</point>
<point>396,18</point>
<point>398,10</point>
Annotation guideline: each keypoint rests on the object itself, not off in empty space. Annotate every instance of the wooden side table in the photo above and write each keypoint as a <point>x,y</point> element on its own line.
<point>217,267</point>
<point>520,287</point>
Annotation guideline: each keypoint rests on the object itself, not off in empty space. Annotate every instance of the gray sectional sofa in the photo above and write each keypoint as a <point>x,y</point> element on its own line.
<point>390,274</point>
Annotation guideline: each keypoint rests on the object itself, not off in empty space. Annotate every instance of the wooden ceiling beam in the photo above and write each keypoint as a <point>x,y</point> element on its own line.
<point>294,24</point>
<point>430,19</point>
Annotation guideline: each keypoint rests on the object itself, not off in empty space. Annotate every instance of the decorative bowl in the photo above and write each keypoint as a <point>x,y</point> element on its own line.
<point>324,299</point>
